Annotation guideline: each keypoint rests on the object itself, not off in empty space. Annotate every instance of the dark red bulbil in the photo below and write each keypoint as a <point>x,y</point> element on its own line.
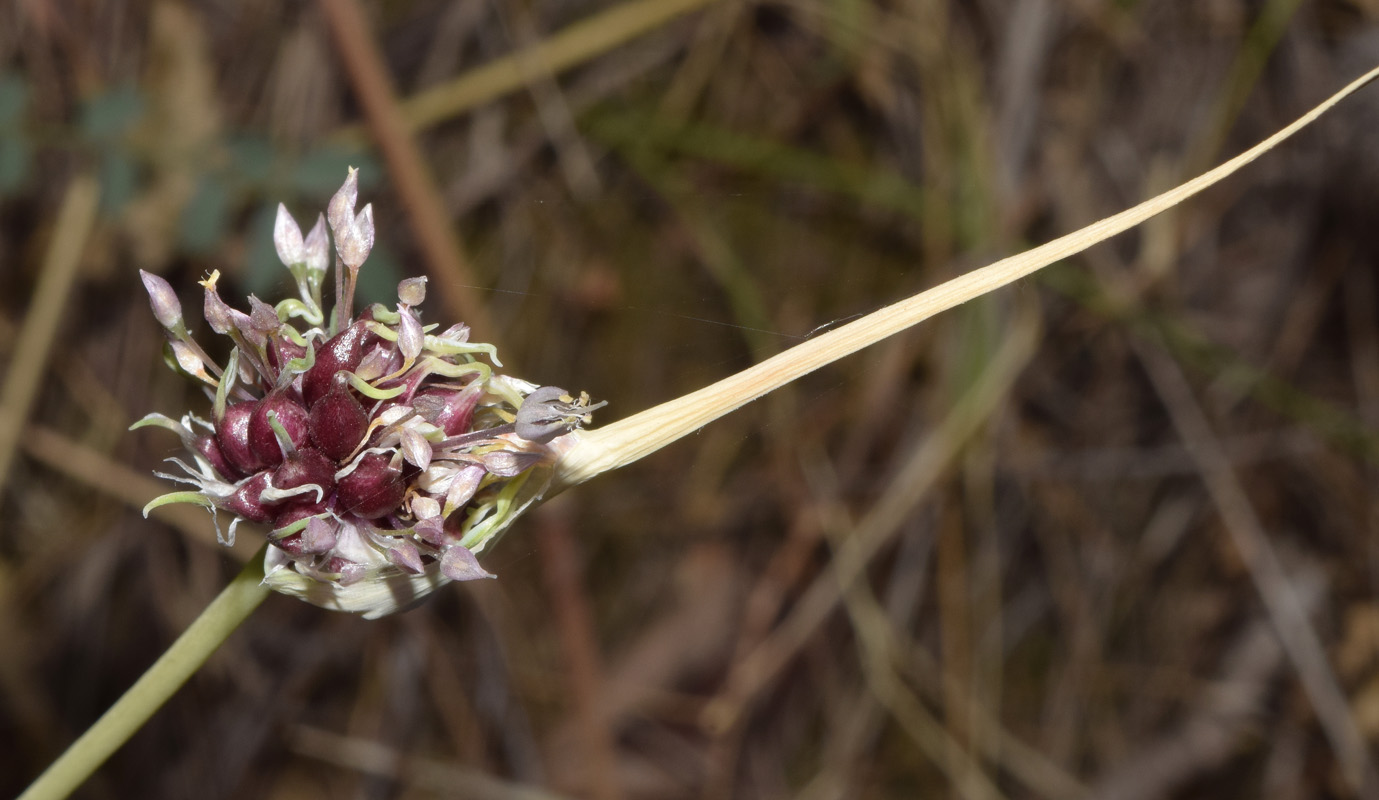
<point>373,489</point>
<point>282,350</point>
<point>292,415</point>
<point>350,573</point>
<point>305,466</point>
<point>232,432</point>
<point>342,352</point>
<point>246,503</point>
<point>294,511</point>
<point>338,421</point>
<point>209,448</point>
<point>292,544</point>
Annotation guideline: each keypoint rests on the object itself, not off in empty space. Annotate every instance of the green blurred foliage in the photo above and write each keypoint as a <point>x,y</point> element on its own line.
<point>16,154</point>
<point>242,174</point>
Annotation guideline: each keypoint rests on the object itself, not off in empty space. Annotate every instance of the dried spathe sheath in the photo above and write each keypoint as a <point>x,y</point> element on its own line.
<point>382,454</point>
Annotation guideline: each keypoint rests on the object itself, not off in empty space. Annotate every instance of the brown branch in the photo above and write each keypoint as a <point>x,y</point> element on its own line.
<point>1281,597</point>
<point>75,219</point>
<point>574,619</point>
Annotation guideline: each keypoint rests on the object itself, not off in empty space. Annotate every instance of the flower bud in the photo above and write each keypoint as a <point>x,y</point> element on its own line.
<point>412,291</point>
<point>509,463</point>
<point>340,211</point>
<point>188,359</point>
<point>409,335</point>
<point>415,448</point>
<point>463,486</point>
<point>166,307</point>
<point>404,554</point>
<point>426,508</point>
<point>459,564</point>
<point>362,235</point>
<point>431,530</point>
<point>316,249</point>
<point>354,235</point>
<point>287,238</point>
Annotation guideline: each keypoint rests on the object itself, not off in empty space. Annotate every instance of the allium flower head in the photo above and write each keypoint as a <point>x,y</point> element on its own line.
<point>382,454</point>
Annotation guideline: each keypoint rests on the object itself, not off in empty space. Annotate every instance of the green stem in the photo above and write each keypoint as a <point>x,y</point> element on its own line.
<point>147,695</point>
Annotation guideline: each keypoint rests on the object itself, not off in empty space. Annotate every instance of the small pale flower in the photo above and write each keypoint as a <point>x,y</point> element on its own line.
<point>287,238</point>
<point>382,455</point>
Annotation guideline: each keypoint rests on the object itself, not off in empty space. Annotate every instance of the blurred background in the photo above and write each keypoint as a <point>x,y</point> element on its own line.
<point>1110,532</point>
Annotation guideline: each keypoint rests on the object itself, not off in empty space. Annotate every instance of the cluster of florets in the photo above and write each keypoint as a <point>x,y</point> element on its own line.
<point>381,454</point>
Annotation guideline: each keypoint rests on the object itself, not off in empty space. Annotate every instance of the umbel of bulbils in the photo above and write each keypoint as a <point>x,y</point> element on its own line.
<point>381,454</point>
